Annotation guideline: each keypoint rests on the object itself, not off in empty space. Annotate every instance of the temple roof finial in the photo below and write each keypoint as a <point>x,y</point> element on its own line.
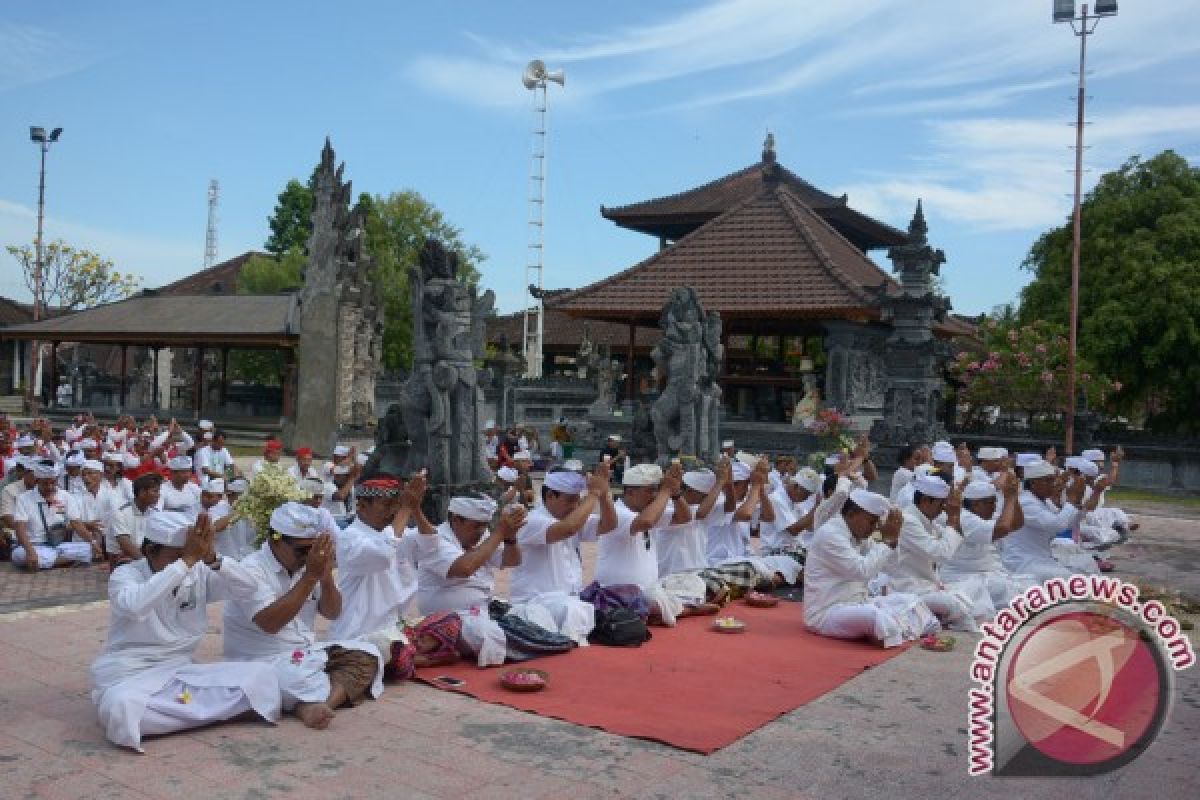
<point>917,228</point>
<point>768,153</point>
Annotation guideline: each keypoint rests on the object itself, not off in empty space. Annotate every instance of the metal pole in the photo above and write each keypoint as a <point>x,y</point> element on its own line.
<point>36,362</point>
<point>1072,346</point>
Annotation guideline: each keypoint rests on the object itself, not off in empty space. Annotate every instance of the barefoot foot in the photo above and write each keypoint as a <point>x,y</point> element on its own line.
<point>315,715</point>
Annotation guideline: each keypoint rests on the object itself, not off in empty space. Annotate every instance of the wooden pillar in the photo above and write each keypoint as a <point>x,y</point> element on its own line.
<point>198,383</point>
<point>124,376</point>
<point>631,387</point>
<point>54,374</point>
<point>156,400</point>
<point>224,374</point>
<point>289,384</point>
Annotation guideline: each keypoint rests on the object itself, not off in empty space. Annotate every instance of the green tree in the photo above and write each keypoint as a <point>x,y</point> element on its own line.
<point>1139,295</point>
<point>71,278</point>
<point>397,226</point>
<point>291,223</point>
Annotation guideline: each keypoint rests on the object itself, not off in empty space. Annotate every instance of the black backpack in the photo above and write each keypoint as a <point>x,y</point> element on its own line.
<point>619,627</point>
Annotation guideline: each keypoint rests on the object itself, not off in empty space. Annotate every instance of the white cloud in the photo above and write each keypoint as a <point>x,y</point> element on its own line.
<point>30,55</point>
<point>1015,173</point>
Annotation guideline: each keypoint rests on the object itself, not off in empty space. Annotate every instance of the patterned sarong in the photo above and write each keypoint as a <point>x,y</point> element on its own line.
<point>353,670</point>
<point>730,580</point>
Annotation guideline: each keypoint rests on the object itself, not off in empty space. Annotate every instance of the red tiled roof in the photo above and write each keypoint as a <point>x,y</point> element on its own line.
<point>218,279</point>
<point>769,256</point>
<point>678,214</point>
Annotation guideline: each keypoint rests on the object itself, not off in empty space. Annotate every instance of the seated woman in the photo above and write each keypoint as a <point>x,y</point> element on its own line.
<point>146,681</point>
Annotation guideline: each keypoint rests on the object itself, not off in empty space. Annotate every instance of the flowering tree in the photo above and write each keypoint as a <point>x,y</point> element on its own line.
<point>72,278</point>
<point>1022,369</point>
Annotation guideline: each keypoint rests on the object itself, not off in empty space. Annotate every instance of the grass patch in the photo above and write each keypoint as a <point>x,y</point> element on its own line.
<point>1118,496</point>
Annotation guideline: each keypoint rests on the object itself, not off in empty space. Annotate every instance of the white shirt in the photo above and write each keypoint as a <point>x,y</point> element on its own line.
<point>96,507</point>
<point>185,500</point>
<point>775,535</point>
<point>123,489</point>
<point>8,497</point>
<point>437,591</point>
<point>158,618</point>
<point>340,509</point>
<point>213,460</point>
<point>684,548</point>
<point>978,552</point>
<point>624,557</point>
<point>924,545</point>
<point>244,640</point>
<point>548,567</point>
<point>838,568</point>
<point>311,472</point>
<point>129,521</point>
<point>1043,522</point>
<point>900,478</point>
<point>38,514</point>
<point>377,576</point>
<point>728,539</point>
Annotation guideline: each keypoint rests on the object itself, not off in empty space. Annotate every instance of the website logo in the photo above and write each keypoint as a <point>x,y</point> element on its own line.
<point>1074,678</point>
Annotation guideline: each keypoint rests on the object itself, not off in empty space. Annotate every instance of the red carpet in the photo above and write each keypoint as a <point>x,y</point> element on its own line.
<point>688,687</point>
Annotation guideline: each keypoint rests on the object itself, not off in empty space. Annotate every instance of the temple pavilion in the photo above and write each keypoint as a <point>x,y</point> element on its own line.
<point>787,267</point>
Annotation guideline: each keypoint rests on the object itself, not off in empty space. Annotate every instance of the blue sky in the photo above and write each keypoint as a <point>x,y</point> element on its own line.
<point>965,105</point>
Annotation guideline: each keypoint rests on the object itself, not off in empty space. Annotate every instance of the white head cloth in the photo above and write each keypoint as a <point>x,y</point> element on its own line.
<point>522,455</point>
<point>214,486</point>
<point>205,425</point>
<point>924,469</point>
<point>930,486</point>
<point>476,507</point>
<point>992,453</point>
<point>565,482</point>
<point>180,463</point>
<point>341,469</point>
<point>944,454</point>
<point>341,450</point>
<point>573,464</point>
<point>1040,469</point>
<point>45,469</point>
<point>168,528</point>
<point>643,475</point>
<point>507,474</point>
<point>76,459</point>
<point>26,441</point>
<point>238,485</point>
<point>874,504</point>
<point>88,444</point>
<point>297,521</point>
<point>1084,466</point>
<point>833,460</point>
<point>749,459</point>
<point>114,457</point>
<point>808,479</point>
<point>740,472</point>
<point>702,480</point>
<point>130,461</point>
<point>1093,455</point>
<point>1025,459</point>
<point>93,464</point>
<point>727,444</point>
<point>979,490</point>
<point>314,486</point>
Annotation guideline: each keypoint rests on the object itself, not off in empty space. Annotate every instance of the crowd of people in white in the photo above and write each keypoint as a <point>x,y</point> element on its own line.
<point>957,536</point>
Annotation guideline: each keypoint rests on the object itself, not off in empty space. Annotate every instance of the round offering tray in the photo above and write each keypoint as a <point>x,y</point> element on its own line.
<point>760,600</point>
<point>728,625</point>
<point>525,680</point>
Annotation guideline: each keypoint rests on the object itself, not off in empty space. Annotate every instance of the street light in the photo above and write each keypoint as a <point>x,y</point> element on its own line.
<point>1083,26</point>
<point>38,136</point>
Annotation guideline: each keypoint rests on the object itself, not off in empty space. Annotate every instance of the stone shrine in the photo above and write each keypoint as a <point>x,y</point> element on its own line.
<point>915,358</point>
<point>340,320</point>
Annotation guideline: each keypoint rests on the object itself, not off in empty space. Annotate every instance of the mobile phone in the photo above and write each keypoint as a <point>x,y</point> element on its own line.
<point>449,681</point>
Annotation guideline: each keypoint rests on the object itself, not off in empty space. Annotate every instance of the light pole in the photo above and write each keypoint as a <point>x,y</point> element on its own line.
<point>39,137</point>
<point>1083,25</point>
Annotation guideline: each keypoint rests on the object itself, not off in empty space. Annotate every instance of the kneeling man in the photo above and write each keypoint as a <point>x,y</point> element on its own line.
<point>146,682</point>
<point>273,622</point>
<point>842,559</point>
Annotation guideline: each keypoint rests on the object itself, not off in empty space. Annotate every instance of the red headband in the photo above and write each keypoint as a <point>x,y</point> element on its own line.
<point>304,452</point>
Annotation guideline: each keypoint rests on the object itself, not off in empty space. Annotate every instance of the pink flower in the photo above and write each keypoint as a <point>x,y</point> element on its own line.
<point>1041,348</point>
<point>1116,386</point>
<point>1048,377</point>
<point>297,656</point>
<point>974,365</point>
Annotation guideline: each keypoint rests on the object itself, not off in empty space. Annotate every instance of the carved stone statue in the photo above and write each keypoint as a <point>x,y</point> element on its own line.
<point>689,356</point>
<point>441,400</point>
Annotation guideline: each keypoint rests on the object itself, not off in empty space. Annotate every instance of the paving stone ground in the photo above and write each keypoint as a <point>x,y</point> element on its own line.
<point>896,731</point>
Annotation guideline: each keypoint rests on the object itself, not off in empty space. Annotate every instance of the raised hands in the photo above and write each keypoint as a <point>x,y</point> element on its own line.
<point>889,530</point>
<point>673,480</point>
<point>512,518</point>
<point>414,492</point>
<point>598,482</point>
<point>319,563</point>
<point>199,543</point>
<point>724,472</point>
